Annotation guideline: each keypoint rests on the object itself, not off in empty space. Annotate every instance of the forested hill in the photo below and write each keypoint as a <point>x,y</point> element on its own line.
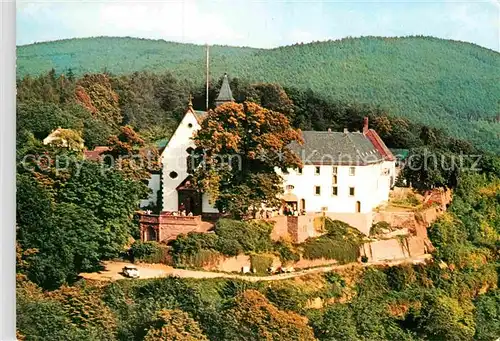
<point>447,84</point>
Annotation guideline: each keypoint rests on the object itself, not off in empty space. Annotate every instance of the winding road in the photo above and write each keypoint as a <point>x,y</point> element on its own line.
<point>112,271</point>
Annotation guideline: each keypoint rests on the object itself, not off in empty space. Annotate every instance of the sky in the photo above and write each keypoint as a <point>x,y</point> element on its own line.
<point>263,24</point>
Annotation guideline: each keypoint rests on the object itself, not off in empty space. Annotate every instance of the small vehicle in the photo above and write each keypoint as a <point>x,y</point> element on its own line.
<point>130,271</point>
<point>285,270</point>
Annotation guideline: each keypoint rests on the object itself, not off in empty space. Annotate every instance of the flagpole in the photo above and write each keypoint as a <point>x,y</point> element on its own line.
<point>208,75</point>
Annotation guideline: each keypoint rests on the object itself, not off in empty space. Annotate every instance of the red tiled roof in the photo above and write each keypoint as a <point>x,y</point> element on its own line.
<point>95,155</point>
<point>379,144</point>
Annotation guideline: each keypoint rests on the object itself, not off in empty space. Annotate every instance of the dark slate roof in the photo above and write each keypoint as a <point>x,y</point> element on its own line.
<point>225,93</point>
<point>336,148</point>
<point>200,115</point>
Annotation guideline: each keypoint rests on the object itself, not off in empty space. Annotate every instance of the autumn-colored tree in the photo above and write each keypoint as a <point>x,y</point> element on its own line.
<point>131,155</point>
<point>242,144</point>
<point>174,325</point>
<point>22,261</point>
<point>257,319</point>
<point>86,310</point>
<point>95,93</point>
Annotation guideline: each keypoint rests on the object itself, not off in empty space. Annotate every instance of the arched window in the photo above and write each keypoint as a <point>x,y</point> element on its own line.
<point>358,206</point>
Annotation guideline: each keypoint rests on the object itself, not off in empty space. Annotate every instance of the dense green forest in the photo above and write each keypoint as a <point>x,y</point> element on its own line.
<point>70,219</point>
<point>446,84</point>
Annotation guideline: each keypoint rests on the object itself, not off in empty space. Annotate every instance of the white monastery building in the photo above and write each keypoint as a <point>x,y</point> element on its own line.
<point>344,172</point>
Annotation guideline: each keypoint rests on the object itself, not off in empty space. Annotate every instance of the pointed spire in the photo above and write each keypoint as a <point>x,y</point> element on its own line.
<point>190,103</point>
<point>225,93</point>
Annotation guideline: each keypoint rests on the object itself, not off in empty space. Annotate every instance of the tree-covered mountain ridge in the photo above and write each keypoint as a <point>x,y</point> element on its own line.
<point>448,84</point>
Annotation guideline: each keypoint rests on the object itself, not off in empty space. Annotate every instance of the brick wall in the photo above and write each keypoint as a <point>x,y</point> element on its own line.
<point>167,227</point>
<point>172,226</point>
<point>280,227</point>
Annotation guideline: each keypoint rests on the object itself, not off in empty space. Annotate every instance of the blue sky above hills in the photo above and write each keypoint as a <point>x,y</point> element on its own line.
<point>259,23</point>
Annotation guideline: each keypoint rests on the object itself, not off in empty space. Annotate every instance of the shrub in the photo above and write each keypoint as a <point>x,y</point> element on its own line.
<point>379,228</point>
<point>252,236</point>
<point>145,251</point>
<point>335,285</point>
<point>202,258</point>
<point>341,243</point>
<point>325,247</point>
<point>188,245</point>
<point>286,251</point>
<point>401,277</point>
<point>445,318</point>
<point>339,230</point>
<point>287,295</point>
<point>337,323</point>
<point>487,316</point>
<point>261,262</point>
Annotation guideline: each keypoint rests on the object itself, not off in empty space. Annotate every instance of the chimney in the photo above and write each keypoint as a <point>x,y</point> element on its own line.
<point>365,125</point>
<point>346,131</point>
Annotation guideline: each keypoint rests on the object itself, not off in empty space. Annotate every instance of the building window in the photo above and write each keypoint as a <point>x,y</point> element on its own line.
<point>317,190</point>
<point>352,171</point>
<point>289,187</point>
<point>317,170</point>
<point>173,174</point>
<point>358,206</point>
<point>299,170</point>
<point>334,170</point>
<point>334,180</point>
<point>335,190</point>
<point>190,125</point>
<point>351,191</point>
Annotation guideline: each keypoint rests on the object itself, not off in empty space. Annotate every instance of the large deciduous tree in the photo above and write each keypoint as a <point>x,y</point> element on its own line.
<point>95,93</point>
<point>241,146</point>
<point>257,319</point>
<point>174,325</point>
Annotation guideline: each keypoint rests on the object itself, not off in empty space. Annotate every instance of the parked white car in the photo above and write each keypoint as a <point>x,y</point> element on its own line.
<point>130,271</point>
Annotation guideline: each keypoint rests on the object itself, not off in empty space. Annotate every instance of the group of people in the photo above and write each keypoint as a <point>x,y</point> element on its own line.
<point>292,211</point>
<point>182,213</point>
<point>287,210</point>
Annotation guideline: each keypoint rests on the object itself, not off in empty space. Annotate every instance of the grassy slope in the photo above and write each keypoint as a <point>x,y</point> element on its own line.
<point>430,80</point>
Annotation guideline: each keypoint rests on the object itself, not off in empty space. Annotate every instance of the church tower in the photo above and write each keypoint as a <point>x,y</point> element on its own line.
<point>225,93</point>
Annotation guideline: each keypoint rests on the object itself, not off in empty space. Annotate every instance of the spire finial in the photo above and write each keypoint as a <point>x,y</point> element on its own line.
<point>190,103</point>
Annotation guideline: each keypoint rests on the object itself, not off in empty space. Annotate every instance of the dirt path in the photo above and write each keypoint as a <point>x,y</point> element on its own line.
<point>112,271</point>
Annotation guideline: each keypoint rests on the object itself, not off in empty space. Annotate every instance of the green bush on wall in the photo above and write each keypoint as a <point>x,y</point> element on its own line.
<point>149,252</point>
<point>341,242</point>
<point>261,262</point>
